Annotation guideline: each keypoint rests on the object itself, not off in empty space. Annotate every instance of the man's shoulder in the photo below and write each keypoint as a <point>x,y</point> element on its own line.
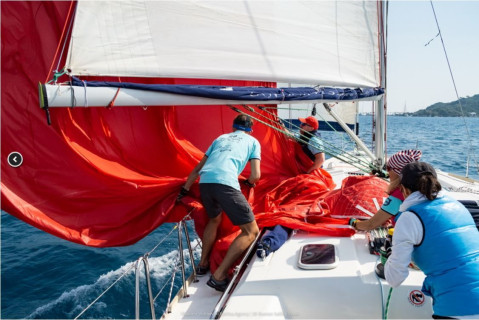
<point>253,139</point>
<point>315,141</point>
<point>244,135</point>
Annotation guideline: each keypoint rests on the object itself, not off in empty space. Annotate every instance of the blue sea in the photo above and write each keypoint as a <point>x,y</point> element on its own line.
<point>44,277</point>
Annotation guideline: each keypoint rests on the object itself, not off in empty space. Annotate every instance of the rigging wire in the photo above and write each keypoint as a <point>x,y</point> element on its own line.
<point>328,149</point>
<point>106,290</point>
<point>69,19</point>
<point>132,265</point>
<point>332,128</point>
<point>471,149</point>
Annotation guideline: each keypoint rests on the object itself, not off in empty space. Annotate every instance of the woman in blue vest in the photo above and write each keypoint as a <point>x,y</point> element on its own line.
<point>440,236</point>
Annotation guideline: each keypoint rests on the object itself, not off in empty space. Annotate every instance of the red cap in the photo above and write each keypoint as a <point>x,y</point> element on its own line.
<point>312,121</point>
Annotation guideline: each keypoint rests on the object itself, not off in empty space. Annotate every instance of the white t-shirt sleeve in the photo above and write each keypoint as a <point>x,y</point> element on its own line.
<point>407,233</point>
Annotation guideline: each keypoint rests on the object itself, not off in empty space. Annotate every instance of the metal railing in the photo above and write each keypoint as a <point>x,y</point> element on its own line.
<point>182,227</point>
<point>180,263</point>
<point>143,259</point>
<point>229,290</point>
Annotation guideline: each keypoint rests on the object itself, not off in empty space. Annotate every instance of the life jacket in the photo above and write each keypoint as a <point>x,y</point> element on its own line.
<point>449,256</point>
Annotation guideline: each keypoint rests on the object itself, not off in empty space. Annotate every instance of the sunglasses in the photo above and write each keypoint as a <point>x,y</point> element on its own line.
<point>303,124</point>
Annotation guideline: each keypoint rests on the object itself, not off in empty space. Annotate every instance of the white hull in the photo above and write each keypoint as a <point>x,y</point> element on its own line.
<point>277,288</point>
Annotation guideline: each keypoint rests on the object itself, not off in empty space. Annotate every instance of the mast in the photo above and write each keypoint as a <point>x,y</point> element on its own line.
<point>381,105</point>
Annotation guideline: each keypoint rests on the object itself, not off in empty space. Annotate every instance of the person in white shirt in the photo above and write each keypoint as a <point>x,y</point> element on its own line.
<point>439,235</point>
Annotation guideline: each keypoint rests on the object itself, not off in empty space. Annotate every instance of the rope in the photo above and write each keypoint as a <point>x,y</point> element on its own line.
<point>57,75</point>
<point>332,151</point>
<point>177,263</point>
<point>172,277</point>
<point>85,96</point>
<point>381,289</point>
<point>111,286</point>
<point>112,102</point>
<point>332,128</point>
<point>73,99</point>
<point>471,148</point>
<point>60,41</point>
<point>187,217</point>
<point>328,148</point>
<point>387,303</point>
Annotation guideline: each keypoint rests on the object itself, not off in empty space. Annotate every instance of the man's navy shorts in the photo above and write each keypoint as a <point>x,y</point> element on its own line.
<point>219,197</point>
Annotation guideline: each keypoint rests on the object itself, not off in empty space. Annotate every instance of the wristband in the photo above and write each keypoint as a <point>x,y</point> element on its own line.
<point>249,184</point>
<point>183,191</point>
<point>352,222</point>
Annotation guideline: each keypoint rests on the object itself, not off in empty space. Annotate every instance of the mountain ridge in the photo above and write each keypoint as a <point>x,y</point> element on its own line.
<point>470,107</point>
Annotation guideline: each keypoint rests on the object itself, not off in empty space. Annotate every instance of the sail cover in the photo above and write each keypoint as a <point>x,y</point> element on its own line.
<point>332,43</point>
<point>108,177</point>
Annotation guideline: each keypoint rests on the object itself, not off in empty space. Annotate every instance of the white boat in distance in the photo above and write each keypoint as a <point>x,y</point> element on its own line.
<point>320,44</point>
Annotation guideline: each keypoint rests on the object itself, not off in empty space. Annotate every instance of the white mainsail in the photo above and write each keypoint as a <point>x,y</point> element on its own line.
<point>280,41</point>
<point>314,43</point>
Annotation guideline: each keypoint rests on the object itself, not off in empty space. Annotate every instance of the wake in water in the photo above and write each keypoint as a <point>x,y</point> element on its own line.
<point>119,301</point>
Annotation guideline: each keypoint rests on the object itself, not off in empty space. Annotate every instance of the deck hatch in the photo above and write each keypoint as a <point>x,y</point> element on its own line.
<point>318,256</point>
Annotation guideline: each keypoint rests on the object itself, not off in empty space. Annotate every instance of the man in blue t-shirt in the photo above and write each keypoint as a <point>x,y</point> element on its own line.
<point>220,191</point>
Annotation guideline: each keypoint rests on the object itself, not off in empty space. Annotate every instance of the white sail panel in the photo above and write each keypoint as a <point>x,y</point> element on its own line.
<point>286,41</point>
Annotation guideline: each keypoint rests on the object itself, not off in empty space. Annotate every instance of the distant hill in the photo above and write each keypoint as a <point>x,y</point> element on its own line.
<point>451,109</point>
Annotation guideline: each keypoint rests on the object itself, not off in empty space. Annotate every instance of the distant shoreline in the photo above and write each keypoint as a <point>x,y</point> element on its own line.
<point>362,114</point>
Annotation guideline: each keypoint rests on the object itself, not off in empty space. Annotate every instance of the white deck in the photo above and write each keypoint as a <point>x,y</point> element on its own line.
<point>351,290</point>
<point>276,288</point>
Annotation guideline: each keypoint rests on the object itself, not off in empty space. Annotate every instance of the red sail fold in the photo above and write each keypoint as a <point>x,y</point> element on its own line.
<point>109,176</point>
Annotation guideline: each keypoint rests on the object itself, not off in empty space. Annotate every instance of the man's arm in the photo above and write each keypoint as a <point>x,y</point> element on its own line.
<point>255,171</point>
<point>195,173</point>
<point>318,161</point>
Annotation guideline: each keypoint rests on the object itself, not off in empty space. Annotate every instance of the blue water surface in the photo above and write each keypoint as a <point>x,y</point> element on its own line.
<point>45,277</point>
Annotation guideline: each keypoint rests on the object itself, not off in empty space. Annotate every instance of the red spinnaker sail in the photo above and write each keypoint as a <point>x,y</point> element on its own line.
<point>108,177</point>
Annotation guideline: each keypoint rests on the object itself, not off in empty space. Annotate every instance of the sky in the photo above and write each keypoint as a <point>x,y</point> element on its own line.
<point>418,75</point>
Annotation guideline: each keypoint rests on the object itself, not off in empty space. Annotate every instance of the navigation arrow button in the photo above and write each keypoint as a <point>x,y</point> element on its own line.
<point>15,159</point>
